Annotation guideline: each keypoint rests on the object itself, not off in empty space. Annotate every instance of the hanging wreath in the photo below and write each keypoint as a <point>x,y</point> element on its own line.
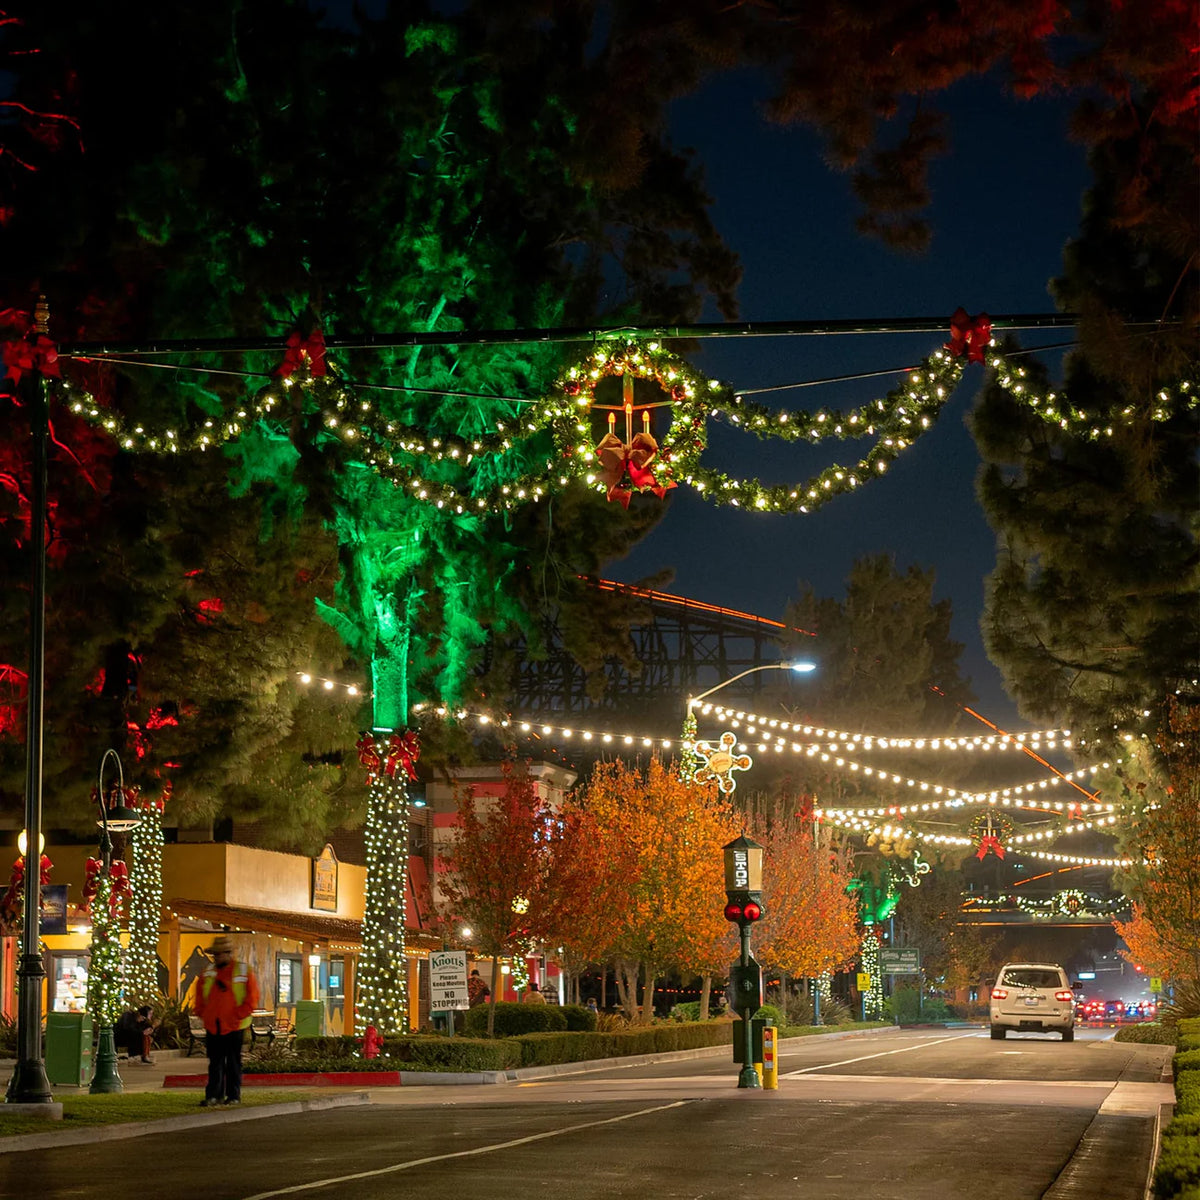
<point>989,830</point>
<point>1070,902</point>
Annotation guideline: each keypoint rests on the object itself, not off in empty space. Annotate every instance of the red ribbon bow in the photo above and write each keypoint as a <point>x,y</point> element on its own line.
<point>617,460</point>
<point>403,751</point>
<point>989,842</point>
<point>368,755</point>
<point>971,334</point>
<point>40,354</point>
<point>91,881</point>
<point>121,888</point>
<point>299,348</point>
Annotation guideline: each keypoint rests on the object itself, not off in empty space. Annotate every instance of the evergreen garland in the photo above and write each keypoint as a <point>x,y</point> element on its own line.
<point>104,994</point>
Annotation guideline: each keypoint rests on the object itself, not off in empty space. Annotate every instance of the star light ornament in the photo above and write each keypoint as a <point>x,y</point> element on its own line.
<point>718,762</point>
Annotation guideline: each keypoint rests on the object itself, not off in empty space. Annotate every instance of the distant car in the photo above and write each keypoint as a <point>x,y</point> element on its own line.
<point>1114,1010</point>
<point>1033,998</point>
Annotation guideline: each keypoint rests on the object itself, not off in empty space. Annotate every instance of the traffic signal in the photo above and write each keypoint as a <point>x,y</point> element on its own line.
<point>743,907</point>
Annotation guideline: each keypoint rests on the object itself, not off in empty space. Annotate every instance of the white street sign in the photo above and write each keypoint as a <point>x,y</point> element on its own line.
<point>448,980</point>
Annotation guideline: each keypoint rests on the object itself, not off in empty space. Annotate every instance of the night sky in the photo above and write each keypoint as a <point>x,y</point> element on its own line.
<point>1007,198</point>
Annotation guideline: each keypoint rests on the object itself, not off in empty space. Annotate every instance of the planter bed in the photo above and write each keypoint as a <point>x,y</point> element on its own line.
<point>298,1079</point>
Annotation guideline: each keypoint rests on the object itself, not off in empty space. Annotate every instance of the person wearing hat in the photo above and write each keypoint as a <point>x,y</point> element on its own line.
<point>226,995</point>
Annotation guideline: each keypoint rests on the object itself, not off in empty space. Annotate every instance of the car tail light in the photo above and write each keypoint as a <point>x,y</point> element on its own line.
<point>1065,996</point>
<point>999,993</point>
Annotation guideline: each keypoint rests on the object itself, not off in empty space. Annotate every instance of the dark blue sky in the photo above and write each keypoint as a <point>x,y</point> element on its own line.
<point>1007,199</point>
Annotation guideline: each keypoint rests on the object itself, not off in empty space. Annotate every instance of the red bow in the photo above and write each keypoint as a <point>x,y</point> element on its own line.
<point>989,842</point>
<point>298,349</point>
<point>121,888</point>
<point>91,881</point>
<point>971,334</point>
<point>368,755</point>
<point>39,355</point>
<point>618,459</point>
<point>403,751</point>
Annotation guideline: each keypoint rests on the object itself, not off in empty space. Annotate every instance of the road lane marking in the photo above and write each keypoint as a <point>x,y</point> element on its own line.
<point>435,1158</point>
<point>863,1058</point>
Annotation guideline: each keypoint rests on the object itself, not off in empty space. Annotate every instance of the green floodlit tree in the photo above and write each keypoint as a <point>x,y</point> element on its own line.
<point>417,173</point>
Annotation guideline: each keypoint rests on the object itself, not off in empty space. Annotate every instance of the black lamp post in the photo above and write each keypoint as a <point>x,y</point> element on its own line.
<point>118,818</point>
<point>743,895</point>
<point>29,1083</point>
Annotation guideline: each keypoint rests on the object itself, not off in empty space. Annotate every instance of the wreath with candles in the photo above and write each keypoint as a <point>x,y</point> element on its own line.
<point>989,830</point>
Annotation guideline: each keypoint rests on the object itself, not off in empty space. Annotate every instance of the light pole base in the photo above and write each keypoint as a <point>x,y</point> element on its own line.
<point>748,1078</point>
<point>29,1084</point>
<point>105,1077</point>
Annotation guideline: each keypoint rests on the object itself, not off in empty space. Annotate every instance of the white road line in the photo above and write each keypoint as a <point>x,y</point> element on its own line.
<point>863,1058</point>
<point>434,1158</point>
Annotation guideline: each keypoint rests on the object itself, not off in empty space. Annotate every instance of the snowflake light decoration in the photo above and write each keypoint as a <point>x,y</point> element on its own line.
<point>718,762</point>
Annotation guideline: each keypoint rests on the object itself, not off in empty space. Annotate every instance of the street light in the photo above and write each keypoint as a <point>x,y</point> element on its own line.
<point>115,816</point>
<point>803,667</point>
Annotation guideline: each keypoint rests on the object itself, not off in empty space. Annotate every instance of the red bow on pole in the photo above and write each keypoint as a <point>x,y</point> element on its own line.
<point>121,887</point>
<point>989,842</point>
<point>40,354</point>
<point>91,881</point>
<point>368,755</point>
<point>970,334</point>
<point>299,348</point>
<point>403,751</point>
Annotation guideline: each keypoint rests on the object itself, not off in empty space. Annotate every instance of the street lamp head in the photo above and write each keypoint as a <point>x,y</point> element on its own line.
<point>115,817</point>
<point>802,666</point>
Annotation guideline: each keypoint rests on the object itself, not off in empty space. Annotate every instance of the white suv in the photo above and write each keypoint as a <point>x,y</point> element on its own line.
<point>1033,998</point>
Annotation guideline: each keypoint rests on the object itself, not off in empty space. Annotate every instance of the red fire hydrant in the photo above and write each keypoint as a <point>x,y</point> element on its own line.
<point>372,1043</point>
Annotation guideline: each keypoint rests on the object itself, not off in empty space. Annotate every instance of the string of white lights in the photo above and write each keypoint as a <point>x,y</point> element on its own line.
<point>330,685</point>
<point>841,739</point>
<point>1007,797</point>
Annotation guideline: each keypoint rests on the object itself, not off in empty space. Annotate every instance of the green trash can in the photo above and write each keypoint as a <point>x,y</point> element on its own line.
<point>69,1048</point>
<point>310,1018</point>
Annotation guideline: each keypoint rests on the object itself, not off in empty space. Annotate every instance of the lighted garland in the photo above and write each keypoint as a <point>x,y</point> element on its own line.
<point>873,997</point>
<point>442,470</point>
<point>104,995</point>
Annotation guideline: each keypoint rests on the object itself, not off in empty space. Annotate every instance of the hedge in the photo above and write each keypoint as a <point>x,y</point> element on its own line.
<point>512,1020</point>
<point>1185,1060</point>
<point>579,1018</point>
<point>1177,1175</point>
<point>545,1049</point>
<point>425,1053</point>
<point>1146,1033</point>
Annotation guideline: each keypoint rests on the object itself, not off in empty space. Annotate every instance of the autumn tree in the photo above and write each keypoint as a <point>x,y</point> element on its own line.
<point>810,924</point>
<point>662,840</point>
<point>496,867</point>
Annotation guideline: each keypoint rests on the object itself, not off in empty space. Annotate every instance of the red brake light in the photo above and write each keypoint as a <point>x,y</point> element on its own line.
<point>999,993</point>
<point>1064,995</point>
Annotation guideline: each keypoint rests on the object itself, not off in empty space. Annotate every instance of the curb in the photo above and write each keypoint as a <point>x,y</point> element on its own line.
<point>132,1129</point>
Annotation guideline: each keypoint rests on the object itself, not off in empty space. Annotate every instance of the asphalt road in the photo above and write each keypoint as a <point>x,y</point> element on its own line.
<point>923,1115</point>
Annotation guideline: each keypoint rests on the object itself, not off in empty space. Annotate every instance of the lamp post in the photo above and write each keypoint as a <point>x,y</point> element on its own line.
<point>802,666</point>
<point>743,894</point>
<point>29,1083</point>
<point>115,817</point>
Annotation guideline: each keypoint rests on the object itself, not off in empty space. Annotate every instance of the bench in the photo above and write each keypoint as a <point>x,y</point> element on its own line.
<point>196,1033</point>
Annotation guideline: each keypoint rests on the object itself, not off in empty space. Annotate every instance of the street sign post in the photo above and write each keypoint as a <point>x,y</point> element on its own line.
<point>448,982</point>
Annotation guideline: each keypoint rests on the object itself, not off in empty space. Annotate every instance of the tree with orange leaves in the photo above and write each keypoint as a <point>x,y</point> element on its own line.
<point>810,922</point>
<point>497,866</point>
<point>658,843</point>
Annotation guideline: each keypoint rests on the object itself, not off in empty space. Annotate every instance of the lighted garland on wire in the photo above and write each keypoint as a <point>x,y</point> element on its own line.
<point>443,469</point>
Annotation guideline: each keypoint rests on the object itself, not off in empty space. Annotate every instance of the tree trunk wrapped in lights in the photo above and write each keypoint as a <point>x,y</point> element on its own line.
<point>145,907</point>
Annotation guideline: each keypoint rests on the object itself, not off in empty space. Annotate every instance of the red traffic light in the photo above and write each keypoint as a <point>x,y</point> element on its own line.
<point>751,910</point>
<point>733,911</point>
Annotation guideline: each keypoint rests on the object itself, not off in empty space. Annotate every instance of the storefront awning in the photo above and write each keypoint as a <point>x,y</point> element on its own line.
<point>302,927</point>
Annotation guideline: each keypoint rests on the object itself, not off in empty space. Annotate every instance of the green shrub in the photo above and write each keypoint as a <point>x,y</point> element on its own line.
<point>415,1052</point>
<point>798,1010</point>
<point>512,1020</point>
<point>688,1010</point>
<point>769,1012</point>
<point>1187,1093</point>
<point>1188,1061</point>
<point>1178,1165</point>
<point>1184,1004</point>
<point>1189,1025</point>
<point>172,1031</point>
<point>1187,1041</point>
<point>8,1037</point>
<point>837,1012</point>
<point>579,1018</point>
<point>326,1047</point>
<point>1146,1033</point>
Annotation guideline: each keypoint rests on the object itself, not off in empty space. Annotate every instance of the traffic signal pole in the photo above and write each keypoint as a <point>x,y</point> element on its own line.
<point>747,1076</point>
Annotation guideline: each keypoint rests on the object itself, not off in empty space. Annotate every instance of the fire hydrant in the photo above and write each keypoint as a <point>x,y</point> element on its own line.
<point>372,1042</point>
